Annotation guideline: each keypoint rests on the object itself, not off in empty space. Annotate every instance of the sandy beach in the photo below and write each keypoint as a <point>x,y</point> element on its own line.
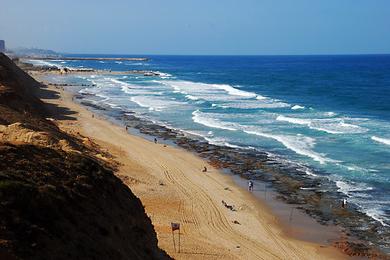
<point>172,187</point>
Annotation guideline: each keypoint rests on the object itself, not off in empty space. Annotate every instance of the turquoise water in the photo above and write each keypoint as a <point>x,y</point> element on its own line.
<point>329,115</point>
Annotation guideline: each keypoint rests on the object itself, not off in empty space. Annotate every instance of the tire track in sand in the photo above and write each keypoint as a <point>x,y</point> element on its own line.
<point>209,213</point>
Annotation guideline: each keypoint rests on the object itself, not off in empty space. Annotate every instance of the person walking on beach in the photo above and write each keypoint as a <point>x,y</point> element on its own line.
<point>155,140</point>
<point>250,185</point>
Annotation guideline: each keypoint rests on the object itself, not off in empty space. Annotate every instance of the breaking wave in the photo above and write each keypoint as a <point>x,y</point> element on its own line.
<point>381,140</point>
<point>331,126</point>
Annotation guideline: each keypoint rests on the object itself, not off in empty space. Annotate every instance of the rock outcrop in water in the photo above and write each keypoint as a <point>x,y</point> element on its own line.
<point>58,200</point>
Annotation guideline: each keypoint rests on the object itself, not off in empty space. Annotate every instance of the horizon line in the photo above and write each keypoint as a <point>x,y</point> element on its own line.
<point>145,54</point>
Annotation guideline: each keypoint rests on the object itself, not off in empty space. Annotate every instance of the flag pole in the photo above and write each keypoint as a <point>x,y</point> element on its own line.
<point>179,240</point>
<point>173,237</point>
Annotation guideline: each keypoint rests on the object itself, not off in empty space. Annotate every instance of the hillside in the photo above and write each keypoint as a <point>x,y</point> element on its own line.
<point>58,200</point>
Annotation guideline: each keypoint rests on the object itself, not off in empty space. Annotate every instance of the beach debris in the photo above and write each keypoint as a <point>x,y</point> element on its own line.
<point>231,207</point>
<point>236,222</point>
<point>204,169</point>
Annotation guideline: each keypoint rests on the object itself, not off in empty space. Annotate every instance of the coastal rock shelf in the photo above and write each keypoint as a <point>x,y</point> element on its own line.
<point>65,70</point>
<point>315,195</point>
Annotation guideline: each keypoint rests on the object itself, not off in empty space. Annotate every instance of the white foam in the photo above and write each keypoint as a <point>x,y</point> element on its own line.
<point>293,120</point>
<point>154,103</point>
<point>136,64</point>
<point>356,192</point>
<point>299,144</point>
<point>163,75</point>
<point>376,214</point>
<point>134,90</point>
<point>330,114</point>
<point>199,133</point>
<point>207,120</point>
<point>310,173</point>
<point>109,82</point>
<point>117,81</point>
<point>249,104</point>
<point>234,91</point>
<point>260,97</point>
<point>209,92</point>
<point>331,126</point>
<point>296,107</point>
<point>381,140</point>
<point>192,97</point>
<point>221,142</point>
<point>227,95</point>
<point>348,188</point>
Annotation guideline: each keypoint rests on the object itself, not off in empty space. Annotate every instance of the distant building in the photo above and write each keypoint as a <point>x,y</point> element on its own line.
<point>2,46</point>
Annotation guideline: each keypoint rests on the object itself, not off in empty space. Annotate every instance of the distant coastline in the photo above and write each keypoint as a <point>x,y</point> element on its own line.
<point>85,58</point>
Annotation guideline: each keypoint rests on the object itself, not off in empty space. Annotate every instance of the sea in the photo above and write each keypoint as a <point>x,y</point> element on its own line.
<point>329,115</point>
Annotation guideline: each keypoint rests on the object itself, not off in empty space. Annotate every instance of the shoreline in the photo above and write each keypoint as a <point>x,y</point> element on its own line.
<point>316,199</point>
<point>258,213</point>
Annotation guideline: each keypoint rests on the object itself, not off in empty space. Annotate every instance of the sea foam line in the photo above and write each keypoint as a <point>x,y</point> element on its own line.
<point>299,144</point>
<point>203,119</point>
<point>331,126</point>
<point>189,87</point>
<point>381,140</point>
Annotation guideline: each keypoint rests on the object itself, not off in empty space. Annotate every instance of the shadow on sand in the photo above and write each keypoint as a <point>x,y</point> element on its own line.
<point>53,110</point>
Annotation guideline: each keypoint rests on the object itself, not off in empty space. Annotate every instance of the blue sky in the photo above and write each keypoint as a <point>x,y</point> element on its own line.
<point>198,26</point>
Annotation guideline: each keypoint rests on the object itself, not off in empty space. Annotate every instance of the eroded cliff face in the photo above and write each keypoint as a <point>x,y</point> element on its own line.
<point>57,199</point>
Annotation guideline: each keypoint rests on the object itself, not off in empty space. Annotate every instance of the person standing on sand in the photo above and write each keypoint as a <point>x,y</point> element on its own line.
<point>344,203</point>
<point>250,185</point>
<point>155,140</point>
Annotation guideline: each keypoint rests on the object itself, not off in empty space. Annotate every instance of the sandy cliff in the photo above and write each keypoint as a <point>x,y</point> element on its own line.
<point>58,200</point>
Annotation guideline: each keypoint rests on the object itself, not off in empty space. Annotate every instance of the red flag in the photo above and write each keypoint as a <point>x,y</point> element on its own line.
<point>175,226</point>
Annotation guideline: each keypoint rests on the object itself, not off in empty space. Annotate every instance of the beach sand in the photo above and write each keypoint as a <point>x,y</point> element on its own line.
<point>172,187</point>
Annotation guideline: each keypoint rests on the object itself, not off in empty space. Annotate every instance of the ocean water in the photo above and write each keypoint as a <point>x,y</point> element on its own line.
<point>329,115</point>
